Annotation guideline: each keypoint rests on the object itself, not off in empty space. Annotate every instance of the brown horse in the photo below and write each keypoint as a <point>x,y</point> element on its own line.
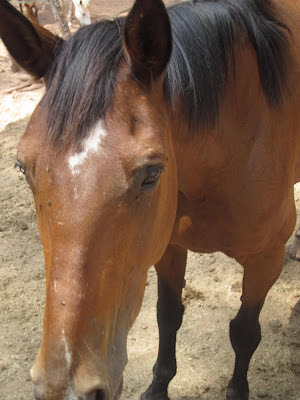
<point>158,133</point>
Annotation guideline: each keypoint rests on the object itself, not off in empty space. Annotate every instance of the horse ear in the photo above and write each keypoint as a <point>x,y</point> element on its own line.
<point>148,39</point>
<point>31,45</point>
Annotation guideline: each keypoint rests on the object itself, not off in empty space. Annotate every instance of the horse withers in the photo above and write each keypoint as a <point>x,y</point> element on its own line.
<point>161,132</point>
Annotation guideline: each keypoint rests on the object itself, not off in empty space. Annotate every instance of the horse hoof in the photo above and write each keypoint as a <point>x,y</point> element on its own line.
<point>237,393</point>
<point>294,250</point>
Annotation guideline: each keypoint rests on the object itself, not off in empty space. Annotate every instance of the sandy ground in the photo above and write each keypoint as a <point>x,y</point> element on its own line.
<point>205,357</point>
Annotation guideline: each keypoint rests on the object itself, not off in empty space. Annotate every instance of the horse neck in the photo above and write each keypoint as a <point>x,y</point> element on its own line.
<point>201,154</point>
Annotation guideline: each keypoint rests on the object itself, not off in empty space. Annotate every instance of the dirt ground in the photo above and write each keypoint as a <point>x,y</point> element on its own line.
<point>205,357</point>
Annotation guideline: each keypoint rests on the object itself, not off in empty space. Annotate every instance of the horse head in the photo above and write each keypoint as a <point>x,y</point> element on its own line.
<point>98,156</point>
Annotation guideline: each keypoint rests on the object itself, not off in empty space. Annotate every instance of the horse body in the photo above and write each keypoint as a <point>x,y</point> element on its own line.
<point>126,175</point>
<point>236,193</point>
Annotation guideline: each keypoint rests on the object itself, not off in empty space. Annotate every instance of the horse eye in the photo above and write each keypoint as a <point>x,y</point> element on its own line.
<point>20,166</point>
<point>153,174</point>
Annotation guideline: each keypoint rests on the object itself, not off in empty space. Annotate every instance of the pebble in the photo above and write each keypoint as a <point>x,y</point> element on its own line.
<point>24,226</point>
<point>236,287</point>
<point>262,395</point>
<point>275,323</point>
<point>3,367</point>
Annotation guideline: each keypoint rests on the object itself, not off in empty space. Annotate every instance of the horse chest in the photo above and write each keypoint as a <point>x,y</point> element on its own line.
<point>233,195</point>
<point>231,225</point>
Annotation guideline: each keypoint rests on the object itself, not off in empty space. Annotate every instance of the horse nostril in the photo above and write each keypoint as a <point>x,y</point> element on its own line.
<point>101,395</point>
<point>98,394</point>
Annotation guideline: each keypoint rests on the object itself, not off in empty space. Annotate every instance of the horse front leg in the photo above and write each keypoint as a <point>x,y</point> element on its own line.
<point>170,271</point>
<point>260,273</point>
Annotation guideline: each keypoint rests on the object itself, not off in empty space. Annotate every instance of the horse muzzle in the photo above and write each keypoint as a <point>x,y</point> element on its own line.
<point>96,394</point>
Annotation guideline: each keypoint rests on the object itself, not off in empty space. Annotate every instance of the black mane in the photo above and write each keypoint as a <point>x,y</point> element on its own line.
<point>204,32</point>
